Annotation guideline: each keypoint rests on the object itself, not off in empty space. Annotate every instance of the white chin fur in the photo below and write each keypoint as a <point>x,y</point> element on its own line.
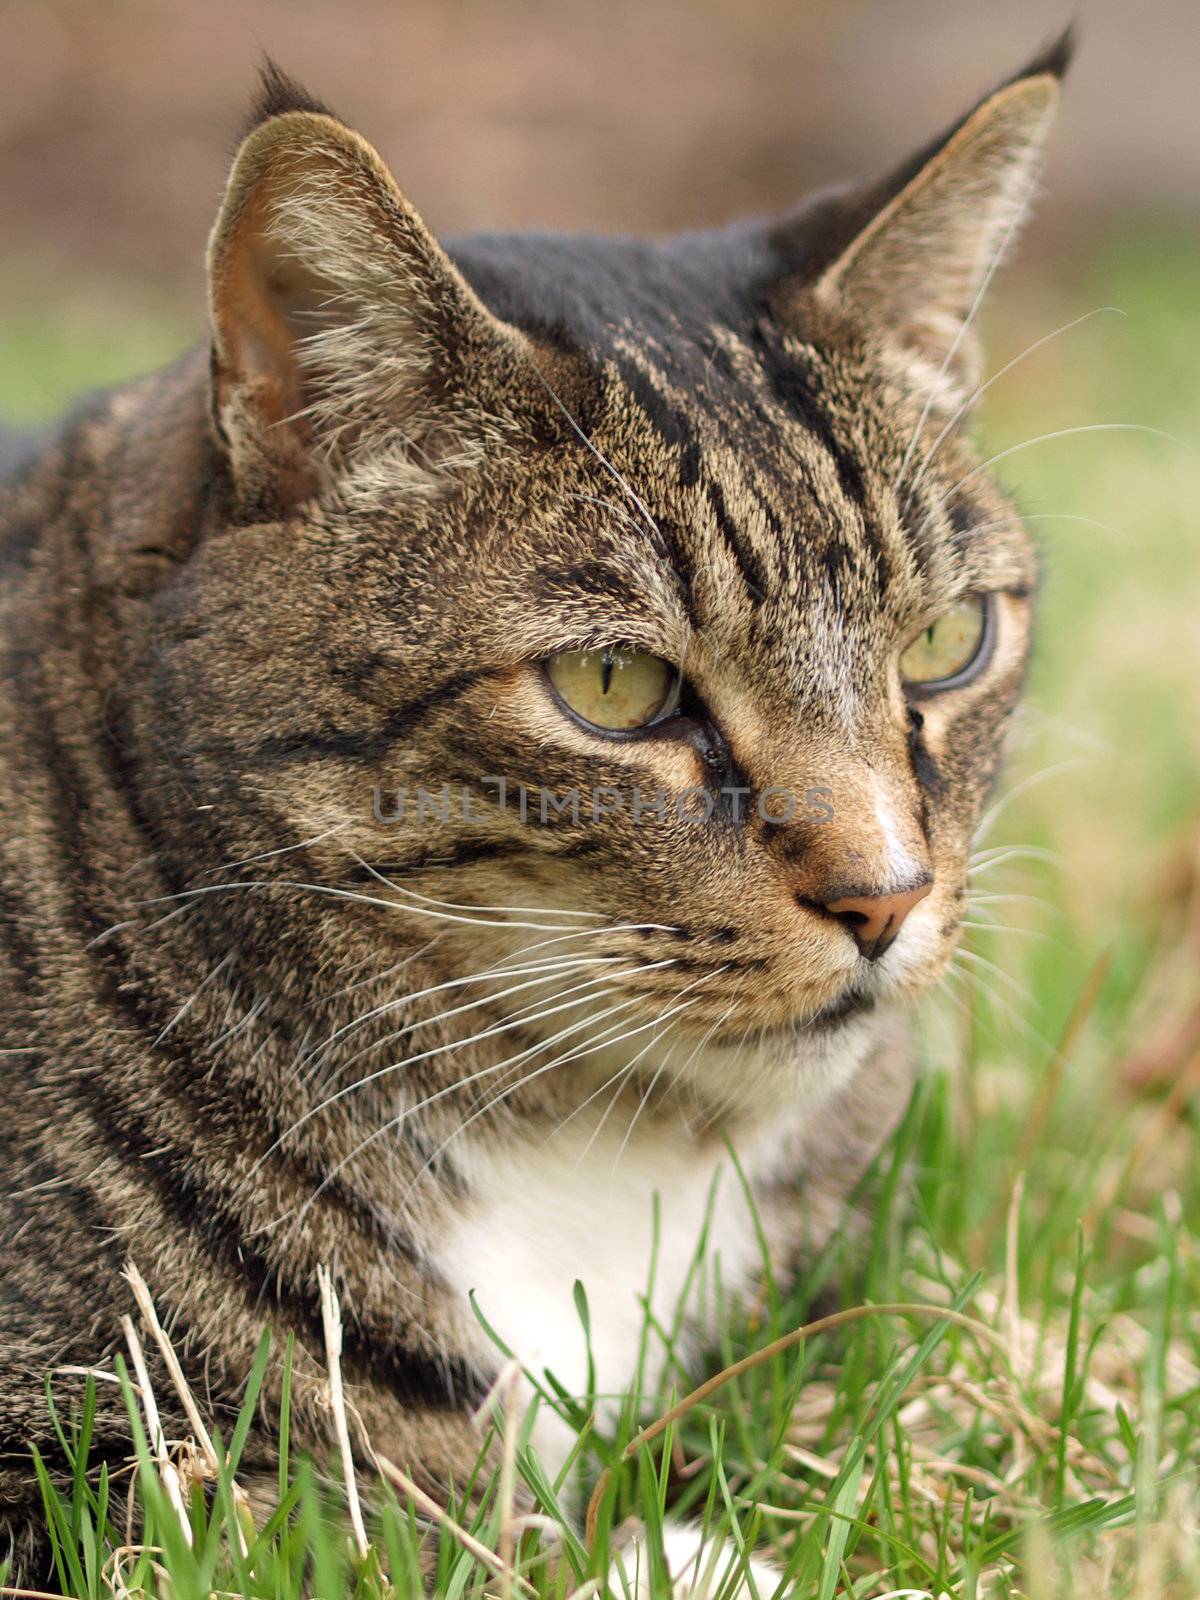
<point>780,1071</point>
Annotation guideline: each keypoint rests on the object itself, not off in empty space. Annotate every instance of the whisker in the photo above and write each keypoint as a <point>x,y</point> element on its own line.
<point>1058,433</point>
<point>1004,927</point>
<point>451,905</point>
<point>245,1021</point>
<point>1019,208</point>
<point>997,972</point>
<point>220,967</point>
<point>622,1078</point>
<point>283,850</point>
<point>616,476</point>
<point>998,1003</point>
<point>576,1054</point>
<point>621,511</point>
<point>513,1018</point>
<point>314,1062</point>
<point>1006,853</point>
<point>545,969</point>
<point>662,1066</point>
<point>1073,516</point>
<point>1042,904</point>
<point>605,1043</point>
<point>997,810</point>
<point>393,1123</point>
<point>354,895</point>
<point>494,1030</point>
<point>981,389</point>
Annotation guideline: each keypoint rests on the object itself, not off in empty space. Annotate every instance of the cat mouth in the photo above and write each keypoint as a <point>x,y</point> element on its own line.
<point>848,1006</point>
<point>853,1003</point>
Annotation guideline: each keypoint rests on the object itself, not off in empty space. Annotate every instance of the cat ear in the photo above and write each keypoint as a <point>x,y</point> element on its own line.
<point>922,258</point>
<point>338,322</point>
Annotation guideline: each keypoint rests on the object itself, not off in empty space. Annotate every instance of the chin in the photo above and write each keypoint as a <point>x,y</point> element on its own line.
<point>791,1070</point>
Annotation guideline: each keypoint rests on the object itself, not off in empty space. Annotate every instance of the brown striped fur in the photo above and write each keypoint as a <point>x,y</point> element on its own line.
<point>329,556</point>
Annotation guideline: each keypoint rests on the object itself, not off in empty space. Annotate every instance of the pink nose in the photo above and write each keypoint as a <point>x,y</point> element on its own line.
<point>875,919</point>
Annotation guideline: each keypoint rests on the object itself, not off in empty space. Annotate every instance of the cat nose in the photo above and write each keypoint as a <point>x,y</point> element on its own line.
<point>874,920</point>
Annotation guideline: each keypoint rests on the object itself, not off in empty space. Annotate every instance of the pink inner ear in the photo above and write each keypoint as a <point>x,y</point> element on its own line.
<point>300,297</point>
<point>256,324</point>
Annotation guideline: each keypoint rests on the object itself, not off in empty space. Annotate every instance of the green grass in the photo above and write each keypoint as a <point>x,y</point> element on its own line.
<point>54,352</point>
<point>1045,1182</point>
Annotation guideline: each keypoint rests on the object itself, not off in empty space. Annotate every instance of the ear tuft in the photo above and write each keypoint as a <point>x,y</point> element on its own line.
<point>277,94</point>
<point>1054,58</point>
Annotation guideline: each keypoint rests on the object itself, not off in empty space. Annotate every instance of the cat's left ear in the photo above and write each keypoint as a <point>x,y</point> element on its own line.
<point>935,229</point>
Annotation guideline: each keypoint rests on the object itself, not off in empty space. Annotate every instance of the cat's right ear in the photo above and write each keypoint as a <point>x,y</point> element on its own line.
<point>339,325</point>
<point>909,257</point>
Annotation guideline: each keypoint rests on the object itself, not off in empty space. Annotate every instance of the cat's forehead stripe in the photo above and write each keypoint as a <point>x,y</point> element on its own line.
<point>786,493</point>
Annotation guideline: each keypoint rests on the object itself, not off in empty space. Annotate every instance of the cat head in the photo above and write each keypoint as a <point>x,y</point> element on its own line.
<point>683,541</point>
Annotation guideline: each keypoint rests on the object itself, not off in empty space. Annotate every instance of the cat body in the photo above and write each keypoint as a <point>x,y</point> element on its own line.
<point>490,1042</point>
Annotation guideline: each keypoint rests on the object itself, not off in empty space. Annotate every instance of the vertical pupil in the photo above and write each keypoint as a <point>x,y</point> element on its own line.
<point>929,632</point>
<point>606,671</point>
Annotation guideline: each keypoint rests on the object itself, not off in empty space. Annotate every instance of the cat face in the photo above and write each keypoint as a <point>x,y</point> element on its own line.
<point>648,592</point>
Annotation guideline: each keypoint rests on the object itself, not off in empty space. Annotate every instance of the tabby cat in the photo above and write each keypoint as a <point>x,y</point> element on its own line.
<point>500,728</point>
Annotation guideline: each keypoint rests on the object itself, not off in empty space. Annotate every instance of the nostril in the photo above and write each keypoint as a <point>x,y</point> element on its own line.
<point>874,920</point>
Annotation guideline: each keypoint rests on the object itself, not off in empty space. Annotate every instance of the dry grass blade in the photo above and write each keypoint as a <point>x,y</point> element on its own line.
<point>1156,1129</point>
<point>167,1470</point>
<point>1012,1301</point>
<point>507,1491</point>
<point>28,1594</point>
<point>331,1318</point>
<point>200,1433</point>
<point>145,1305</point>
<point>787,1341</point>
<point>426,1503</point>
<point>113,1571</point>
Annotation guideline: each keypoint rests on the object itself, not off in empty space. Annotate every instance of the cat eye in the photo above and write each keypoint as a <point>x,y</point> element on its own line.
<point>952,648</point>
<point>615,689</point>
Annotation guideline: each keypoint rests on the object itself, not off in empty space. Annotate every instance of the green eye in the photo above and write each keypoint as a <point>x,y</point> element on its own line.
<point>615,689</point>
<point>949,647</point>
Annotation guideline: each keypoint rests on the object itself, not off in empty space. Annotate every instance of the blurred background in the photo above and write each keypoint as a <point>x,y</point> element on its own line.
<point>117,121</point>
<point>116,126</point>
<point>1063,1052</point>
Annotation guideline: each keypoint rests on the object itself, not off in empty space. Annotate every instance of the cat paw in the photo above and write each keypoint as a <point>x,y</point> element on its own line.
<point>698,1570</point>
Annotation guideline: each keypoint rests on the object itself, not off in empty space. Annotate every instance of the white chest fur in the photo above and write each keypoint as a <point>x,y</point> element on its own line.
<point>581,1207</point>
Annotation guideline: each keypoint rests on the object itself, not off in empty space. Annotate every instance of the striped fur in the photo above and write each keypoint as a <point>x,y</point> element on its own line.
<point>247,1026</point>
